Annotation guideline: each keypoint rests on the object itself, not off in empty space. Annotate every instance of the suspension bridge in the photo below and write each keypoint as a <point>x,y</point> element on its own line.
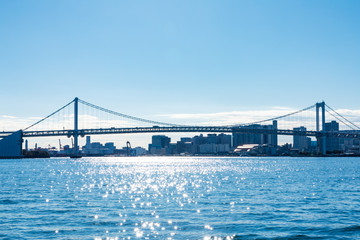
<point>71,122</point>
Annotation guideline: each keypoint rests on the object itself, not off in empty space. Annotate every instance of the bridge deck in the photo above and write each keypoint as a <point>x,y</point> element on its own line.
<point>208,129</point>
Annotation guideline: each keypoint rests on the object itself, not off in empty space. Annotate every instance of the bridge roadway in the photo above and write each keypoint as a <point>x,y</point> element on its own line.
<point>208,129</point>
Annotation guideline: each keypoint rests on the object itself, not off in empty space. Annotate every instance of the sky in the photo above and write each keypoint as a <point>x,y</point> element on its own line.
<point>162,59</point>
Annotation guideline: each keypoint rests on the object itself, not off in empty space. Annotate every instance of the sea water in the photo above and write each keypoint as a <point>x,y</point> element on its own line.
<point>180,198</point>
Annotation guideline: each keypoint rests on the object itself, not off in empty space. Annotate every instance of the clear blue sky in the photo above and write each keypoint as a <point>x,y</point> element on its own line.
<point>163,57</point>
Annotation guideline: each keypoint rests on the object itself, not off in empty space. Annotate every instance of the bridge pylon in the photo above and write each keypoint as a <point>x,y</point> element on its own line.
<point>321,138</point>
<point>76,130</point>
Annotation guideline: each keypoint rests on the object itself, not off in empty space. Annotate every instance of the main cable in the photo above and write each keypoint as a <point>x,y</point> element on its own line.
<point>126,116</point>
<point>49,115</point>
<point>342,117</point>
<point>275,118</point>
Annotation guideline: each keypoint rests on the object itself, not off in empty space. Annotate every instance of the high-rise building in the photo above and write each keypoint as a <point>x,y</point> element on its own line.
<point>161,141</point>
<point>300,142</point>
<point>159,144</point>
<point>332,143</point>
<point>88,142</point>
<point>332,126</point>
<point>240,139</point>
<point>224,139</point>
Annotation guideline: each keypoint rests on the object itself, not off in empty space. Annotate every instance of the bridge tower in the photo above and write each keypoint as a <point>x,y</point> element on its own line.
<point>76,131</point>
<point>321,141</point>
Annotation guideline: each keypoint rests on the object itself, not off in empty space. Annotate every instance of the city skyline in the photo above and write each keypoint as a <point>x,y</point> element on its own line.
<point>235,143</point>
<point>307,118</point>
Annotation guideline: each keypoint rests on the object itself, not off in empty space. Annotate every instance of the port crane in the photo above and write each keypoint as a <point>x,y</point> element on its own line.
<point>128,148</point>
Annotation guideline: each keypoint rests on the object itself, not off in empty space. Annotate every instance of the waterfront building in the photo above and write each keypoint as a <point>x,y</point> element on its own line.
<point>240,139</point>
<point>185,139</point>
<point>88,142</point>
<point>224,139</point>
<point>301,142</point>
<point>97,149</point>
<point>160,141</point>
<point>332,143</point>
<point>213,148</point>
<point>110,146</point>
<point>11,146</point>
<point>211,144</point>
<point>350,145</point>
<point>185,146</point>
<point>138,151</point>
<point>159,145</point>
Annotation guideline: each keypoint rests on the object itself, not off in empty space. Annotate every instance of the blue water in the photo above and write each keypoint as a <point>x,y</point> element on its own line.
<point>180,198</point>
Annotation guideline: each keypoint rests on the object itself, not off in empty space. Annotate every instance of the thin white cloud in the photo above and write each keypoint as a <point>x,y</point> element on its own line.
<point>233,117</point>
<point>11,123</point>
<point>306,118</point>
<point>7,117</point>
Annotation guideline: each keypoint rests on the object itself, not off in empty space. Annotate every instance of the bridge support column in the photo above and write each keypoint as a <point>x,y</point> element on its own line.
<point>317,128</point>
<point>321,138</point>
<point>323,129</point>
<point>274,137</point>
<point>76,133</point>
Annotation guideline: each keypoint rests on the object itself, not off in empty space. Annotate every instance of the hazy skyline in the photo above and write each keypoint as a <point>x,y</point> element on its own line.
<point>157,59</point>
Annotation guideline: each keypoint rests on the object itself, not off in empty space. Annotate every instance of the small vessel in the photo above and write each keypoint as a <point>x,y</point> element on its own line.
<point>75,156</point>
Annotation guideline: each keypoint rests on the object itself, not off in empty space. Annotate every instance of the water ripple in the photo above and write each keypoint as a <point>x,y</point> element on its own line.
<point>180,198</point>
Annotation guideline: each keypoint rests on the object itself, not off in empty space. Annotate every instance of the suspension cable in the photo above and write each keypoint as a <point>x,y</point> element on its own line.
<point>340,120</point>
<point>49,115</point>
<point>275,118</point>
<point>126,116</point>
<point>342,117</point>
<point>176,125</point>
